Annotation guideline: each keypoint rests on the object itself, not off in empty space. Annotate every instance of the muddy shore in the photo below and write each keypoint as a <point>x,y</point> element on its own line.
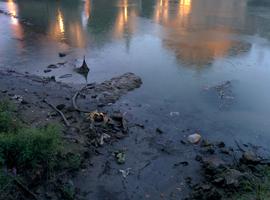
<point>124,158</point>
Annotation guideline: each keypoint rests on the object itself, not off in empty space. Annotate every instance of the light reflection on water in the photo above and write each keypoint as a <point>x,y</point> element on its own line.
<point>177,47</point>
<point>191,28</point>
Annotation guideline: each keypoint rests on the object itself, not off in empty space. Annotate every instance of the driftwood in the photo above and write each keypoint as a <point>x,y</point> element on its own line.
<point>74,98</point>
<point>57,110</point>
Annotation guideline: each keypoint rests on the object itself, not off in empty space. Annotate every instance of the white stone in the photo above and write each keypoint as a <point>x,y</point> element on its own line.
<point>194,138</point>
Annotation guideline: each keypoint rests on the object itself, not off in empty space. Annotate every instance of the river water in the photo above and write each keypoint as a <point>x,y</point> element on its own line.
<point>180,48</point>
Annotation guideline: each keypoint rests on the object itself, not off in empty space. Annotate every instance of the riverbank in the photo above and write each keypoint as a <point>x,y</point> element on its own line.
<point>84,123</point>
<point>144,163</point>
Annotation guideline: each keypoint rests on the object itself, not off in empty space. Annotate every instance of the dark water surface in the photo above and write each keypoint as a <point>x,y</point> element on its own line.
<point>180,48</point>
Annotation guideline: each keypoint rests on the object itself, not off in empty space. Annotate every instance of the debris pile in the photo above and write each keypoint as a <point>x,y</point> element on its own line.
<point>104,128</point>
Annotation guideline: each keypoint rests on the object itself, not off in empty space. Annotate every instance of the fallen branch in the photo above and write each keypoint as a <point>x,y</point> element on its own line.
<point>25,189</point>
<point>57,110</point>
<point>74,98</point>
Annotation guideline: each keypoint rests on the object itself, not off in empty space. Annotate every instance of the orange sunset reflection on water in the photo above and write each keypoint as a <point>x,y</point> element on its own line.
<point>125,23</point>
<point>192,45</point>
<point>186,29</point>
<point>16,27</point>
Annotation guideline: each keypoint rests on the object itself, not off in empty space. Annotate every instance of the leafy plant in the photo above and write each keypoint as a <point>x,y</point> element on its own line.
<point>30,147</point>
<point>8,123</point>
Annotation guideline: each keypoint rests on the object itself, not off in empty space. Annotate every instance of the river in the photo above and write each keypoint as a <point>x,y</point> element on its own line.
<point>181,49</point>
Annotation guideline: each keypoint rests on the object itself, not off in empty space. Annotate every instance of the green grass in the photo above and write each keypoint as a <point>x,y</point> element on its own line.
<point>8,123</point>
<point>29,147</point>
<point>26,149</point>
<point>257,188</point>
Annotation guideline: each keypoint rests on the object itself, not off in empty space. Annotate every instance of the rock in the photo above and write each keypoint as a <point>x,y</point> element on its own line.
<point>250,157</point>
<point>218,181</point>
<point>183,142</point>
<point>198,158</point>
<point>117,116</point>
<point>60,106</point>
<point>119,135</point>
<point>206,143</point>
<point>213,164</point>
<point>183,163</point>
<point>52,66</point>
<point>221,144</point>
<point>62,54</point>
<point>23,102</point>
<point>188,180</point>
<point>206,187</point>
<point>210,150</point>
<point>158,130</point>
<point>205,192</point>
<point>225,151</point>
<point>47,70</point>
<point>52,78</point>
<point>233,177</point>
<point>194,138</point>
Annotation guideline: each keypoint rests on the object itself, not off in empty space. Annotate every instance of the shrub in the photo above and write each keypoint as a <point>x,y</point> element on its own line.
<point>30,147</point>
<point>8,123</point>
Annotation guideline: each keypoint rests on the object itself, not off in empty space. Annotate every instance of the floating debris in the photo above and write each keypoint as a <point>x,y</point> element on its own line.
<point>125,172</point>
<point>174,114</point>
<point>120,157</point>
<point>222,94</point>
<point>103,137</point>
<point>17,97</point>
<point>97,117</point>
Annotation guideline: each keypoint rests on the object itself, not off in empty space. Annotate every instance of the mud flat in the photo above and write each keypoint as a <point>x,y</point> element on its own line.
<point>122,158</point>
<point>85,117</point>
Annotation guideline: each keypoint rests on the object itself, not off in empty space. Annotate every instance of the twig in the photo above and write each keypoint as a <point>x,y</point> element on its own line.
<point>25,189</point>
<point>74,98</point>
<point>142,168</point>
<point>57,110</point>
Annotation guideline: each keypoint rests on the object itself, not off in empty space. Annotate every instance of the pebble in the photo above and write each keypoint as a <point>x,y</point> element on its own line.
<point>194,138</point>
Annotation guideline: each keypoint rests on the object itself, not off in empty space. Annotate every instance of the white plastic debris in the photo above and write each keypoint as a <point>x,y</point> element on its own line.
<point>125,172</point>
